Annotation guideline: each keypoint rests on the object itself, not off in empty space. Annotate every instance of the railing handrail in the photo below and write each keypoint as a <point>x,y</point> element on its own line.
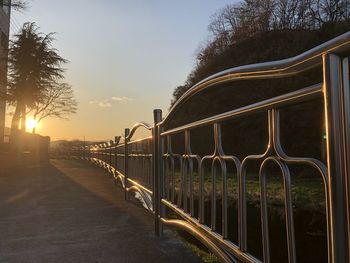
<point>302,94</point>
<point>135,127</point>
<point>156,167</point>
<point>266,70</point>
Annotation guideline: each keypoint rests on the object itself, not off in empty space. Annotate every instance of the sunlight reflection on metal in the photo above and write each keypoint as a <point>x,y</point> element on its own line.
<point>166,179</point>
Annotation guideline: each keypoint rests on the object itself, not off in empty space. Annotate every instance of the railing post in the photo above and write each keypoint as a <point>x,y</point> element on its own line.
<point>84,150</point>
<point>103,154</point>
<point>100,148</point>
<point>110,152</point>
<point>99,152</point>
<point>126,163</point>
<point>336,99</point>
<point>116,142</point>
<point>157,177</point>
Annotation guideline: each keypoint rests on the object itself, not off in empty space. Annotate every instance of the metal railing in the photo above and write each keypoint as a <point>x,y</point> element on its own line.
<point>168,181</point>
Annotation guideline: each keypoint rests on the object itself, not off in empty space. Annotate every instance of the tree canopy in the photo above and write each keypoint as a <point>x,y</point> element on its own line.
<point>235,30</point>
<point>33,65</point>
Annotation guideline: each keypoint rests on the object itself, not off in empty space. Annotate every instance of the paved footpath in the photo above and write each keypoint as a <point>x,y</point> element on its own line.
<point>68,211</point>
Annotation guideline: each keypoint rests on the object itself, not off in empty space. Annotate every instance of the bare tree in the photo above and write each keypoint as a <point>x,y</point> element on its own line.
<point>224,21</point>
<point>248,18</point>
<point>57,101</point>
<point>19,4</point>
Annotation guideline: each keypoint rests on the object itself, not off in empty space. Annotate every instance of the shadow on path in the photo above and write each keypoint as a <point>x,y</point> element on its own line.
<point>67,211</point>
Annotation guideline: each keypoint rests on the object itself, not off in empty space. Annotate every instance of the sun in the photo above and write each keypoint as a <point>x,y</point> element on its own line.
<point>31,124</point>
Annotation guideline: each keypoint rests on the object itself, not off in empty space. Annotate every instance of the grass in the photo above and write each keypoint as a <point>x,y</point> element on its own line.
<point>204,255</point>
<point>307,193</point>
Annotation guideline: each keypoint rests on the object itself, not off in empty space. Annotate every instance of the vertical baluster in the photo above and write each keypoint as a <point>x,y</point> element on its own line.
<point>187,173</point>
<point>96,152</point>
<point>150,174</point>
<point>116,142</point>
<point>191,188</point>
<point>104,155</point>
<point>213,197</point>
<point>131,163</point>
<point>84,150</point>
<point>264,215</point>
<point>224,196</point>
<point>110,153</point>
<point>185,183</point>
<point>99,154</point>
<point>157,173</point>
<point>126,163</point>
<point>201,192</point>
<point>167,176</point>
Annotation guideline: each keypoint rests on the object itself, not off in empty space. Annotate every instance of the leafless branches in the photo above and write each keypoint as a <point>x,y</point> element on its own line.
<point>237,23</point>
<point>56,101</point>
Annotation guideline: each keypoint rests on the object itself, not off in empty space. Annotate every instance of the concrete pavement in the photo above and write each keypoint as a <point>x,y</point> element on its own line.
<point>68,211</point>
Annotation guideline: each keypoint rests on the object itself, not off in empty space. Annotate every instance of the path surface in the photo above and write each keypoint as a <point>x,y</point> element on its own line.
<point>68,211</point>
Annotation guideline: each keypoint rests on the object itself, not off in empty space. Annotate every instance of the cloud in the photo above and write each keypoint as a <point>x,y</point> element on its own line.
<point>109,102</point>
<point>104,104</point>
<point>120,99</point>
<point>101,104</point>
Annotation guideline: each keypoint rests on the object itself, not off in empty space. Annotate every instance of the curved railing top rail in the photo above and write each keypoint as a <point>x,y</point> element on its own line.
<point>117,140</point>
<point>137,126</point>
<point>116,143</point>
<point>267,70</point>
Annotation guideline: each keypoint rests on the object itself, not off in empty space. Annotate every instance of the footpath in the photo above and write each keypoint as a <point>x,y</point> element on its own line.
<point>69,211</point>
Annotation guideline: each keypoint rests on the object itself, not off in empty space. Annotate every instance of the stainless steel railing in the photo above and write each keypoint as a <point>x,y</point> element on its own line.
<point>177,181</point>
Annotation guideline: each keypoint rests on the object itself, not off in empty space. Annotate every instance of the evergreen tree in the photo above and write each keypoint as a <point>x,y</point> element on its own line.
<point>33,64</point>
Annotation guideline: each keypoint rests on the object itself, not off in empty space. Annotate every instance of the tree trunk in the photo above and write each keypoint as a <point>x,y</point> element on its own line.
<point>15,125</point>
<point>34,118</point>
<point>16,117</point>
<point>23,118</point>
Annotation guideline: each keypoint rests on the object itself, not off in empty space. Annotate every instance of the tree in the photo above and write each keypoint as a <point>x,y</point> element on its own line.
<point>248,20</point>
<point>56,101</point>
<point>16,4</point>
<point>33,66</point>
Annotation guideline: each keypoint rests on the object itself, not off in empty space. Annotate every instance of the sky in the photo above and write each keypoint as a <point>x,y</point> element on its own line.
<point>125,57</point>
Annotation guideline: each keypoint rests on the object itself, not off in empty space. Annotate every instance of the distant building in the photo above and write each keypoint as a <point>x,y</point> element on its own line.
<point>5,11</point>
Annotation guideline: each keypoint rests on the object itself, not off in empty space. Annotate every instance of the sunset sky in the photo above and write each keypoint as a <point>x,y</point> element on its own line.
<point>126,57</point>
